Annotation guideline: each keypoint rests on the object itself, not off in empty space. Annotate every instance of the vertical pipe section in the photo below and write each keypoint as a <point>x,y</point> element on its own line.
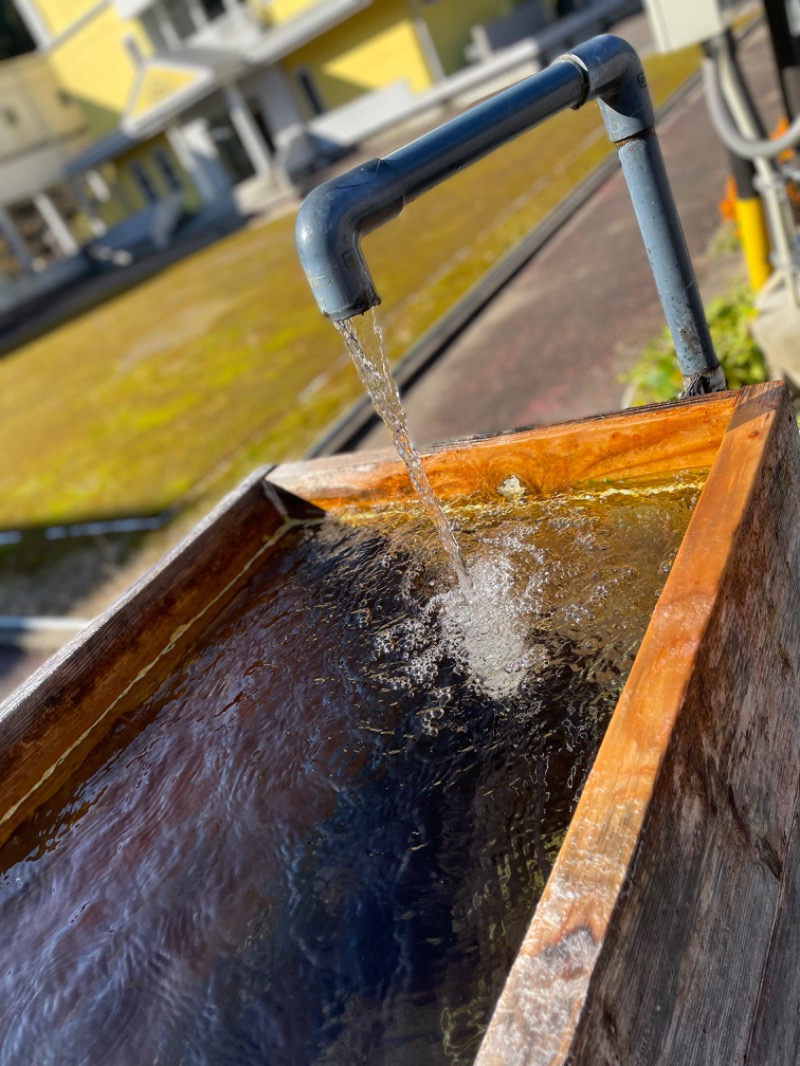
<point>648,185</point>
<point>617,80</point>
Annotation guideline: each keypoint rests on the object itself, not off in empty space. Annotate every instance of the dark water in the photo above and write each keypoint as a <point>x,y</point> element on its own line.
<point>322,839</point>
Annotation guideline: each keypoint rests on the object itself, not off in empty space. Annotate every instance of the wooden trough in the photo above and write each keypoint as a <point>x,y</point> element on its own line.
<point>669,929</point>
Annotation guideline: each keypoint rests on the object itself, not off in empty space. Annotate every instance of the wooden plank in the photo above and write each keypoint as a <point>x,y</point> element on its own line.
<point>580,928</point>
<point>52,721</point>
<point>696,784</point>
<point>776,1034</point>
<point>634,445</point>
<point>47,726</point>
<point>720,828</point>
<point>650,940</point>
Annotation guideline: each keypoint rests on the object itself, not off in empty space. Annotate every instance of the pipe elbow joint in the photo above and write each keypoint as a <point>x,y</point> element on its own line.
<point>615,78</point>
<point>330,225</point>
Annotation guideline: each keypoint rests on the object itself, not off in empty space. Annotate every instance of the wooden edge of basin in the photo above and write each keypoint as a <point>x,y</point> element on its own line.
<point>54,711</point>
<point>656,928</point>
<point>636,444</point>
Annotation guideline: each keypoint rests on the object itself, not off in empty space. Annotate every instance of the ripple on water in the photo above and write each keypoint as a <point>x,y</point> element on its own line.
<point>321,840</point>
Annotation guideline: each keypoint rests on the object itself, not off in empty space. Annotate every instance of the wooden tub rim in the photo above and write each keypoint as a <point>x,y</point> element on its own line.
<point>537,1016</point>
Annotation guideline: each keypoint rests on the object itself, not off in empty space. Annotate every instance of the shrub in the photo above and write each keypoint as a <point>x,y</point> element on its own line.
<point>657,377</point>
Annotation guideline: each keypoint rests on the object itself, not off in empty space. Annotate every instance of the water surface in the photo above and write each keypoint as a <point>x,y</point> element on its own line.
<point>322,839</point>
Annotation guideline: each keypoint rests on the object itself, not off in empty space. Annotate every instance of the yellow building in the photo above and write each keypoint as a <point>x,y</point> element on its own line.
<point>200,102</point>
<point>40,130</point>
<point>45,216</point>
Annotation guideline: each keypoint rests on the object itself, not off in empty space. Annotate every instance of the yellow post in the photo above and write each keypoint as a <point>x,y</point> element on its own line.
<point>748,211</point>
<point>755,239</point>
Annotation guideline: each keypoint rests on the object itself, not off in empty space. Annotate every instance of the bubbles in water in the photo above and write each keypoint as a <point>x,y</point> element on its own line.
<point>486,630</point>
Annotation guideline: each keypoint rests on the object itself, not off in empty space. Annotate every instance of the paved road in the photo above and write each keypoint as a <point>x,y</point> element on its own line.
<point>555,342</point>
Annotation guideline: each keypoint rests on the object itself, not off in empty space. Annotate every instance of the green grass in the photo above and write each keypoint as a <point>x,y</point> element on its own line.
<point>175,389</point>
<point>656,376</point>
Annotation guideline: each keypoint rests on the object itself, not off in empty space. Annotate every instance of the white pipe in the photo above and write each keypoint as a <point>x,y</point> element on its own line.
<point>737,125</point>
<point>748,146</point>
<point>41,633</point>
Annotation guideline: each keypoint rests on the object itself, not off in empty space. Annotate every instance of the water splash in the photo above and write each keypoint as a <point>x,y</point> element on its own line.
<point>368,354</point>
<point>488,632</point>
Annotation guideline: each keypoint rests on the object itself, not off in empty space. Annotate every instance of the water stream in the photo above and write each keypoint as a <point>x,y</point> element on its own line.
<point>366,348</point>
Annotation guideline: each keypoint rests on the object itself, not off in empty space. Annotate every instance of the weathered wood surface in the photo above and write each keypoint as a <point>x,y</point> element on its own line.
<point>667,932</point>
<point>775,1038</point>
<point>637,444</point>
<point>48,725</point>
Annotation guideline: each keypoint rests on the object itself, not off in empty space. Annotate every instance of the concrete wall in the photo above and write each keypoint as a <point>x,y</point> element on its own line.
<point>26,291</point>
<point>40,127</point>
<point>35,113</point>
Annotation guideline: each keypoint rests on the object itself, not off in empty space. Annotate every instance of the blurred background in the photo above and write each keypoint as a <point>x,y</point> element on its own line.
<point>158,339</point>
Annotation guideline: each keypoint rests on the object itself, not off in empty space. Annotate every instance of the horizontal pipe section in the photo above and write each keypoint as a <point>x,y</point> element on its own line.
<point>336,215</point>
<point>438,155</point>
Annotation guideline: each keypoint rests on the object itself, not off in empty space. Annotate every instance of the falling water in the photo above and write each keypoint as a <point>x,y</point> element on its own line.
<point>370,360</point>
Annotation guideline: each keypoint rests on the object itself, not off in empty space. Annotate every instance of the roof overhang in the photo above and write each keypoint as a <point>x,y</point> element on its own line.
<point>107,147</point>
<point>167,85</point>
<point>285,37</point>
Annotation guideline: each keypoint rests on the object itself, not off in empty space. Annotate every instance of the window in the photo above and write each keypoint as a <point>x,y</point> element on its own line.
<point>152,27</point>
<point>231,151</point>
<point>310,91</point>
<point>143,182</point>
<point>168,170</point>
<point>254,107</point>
<point>213,9</point>
<point>177,12</point>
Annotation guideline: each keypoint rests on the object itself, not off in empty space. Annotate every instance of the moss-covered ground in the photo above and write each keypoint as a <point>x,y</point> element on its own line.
<point>172,391</point>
